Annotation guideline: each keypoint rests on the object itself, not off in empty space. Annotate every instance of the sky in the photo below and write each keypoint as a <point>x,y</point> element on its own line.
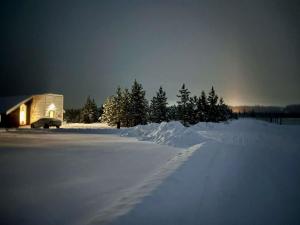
<point>248,50</point>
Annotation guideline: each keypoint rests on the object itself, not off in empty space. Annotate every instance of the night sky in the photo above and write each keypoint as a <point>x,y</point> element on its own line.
<point>249,50</point>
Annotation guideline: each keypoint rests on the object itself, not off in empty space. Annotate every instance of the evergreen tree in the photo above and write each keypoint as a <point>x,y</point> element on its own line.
<point>224,111</point>
<point>89,113</point>
<point>152,110</point>
<point>138,104</point>
<point>183,111</point>
<point>130,108</point>
<point>100,111</point>
<point>158,107</point>
<point>118,100</point>
<point>193,110</point>
<point>126,105</point>
<point>172,113</point>
<point>109,111</point>
<point>212,100</point>
<point>72,115</point>
<point>202,106</point>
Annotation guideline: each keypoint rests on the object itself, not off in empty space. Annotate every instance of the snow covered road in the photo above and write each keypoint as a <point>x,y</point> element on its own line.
<point>246,173</point>
<point>66,178</point>
<point>243,172</point>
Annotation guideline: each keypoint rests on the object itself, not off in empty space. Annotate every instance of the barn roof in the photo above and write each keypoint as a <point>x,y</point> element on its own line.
<point>7,104</point>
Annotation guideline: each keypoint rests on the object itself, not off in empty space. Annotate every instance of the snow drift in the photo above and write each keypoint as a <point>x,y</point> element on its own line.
<point>237,132</point>
<point>172,133</point>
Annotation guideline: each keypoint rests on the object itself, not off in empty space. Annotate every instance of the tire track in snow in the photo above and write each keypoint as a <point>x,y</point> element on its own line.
<point>134,195</point>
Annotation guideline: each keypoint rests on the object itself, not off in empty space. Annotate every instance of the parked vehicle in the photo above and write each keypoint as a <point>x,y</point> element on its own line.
<point>46,123</point>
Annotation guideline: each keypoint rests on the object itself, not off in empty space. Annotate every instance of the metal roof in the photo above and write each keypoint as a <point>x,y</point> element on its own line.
<point>9,103</point>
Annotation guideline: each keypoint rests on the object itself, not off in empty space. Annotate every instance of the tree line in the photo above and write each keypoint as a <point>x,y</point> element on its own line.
<point>129,108</point>
<point>89,113</point>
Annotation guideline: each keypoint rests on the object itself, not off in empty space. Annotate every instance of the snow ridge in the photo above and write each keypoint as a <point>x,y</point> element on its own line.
<point>134,195</point>
<point>240,132</point>
<point>171,133</point>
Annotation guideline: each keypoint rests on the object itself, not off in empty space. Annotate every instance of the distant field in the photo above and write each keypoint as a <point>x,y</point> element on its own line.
<point>291,121</point>
<point>285,121</point>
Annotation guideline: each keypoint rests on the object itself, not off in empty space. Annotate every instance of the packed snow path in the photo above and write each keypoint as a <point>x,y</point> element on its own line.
<point>247,172</point>
<point>66,178</point>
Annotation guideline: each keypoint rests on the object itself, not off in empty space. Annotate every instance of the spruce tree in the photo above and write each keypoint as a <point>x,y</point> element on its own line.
<point>183,105</point>
<point>224,111</point>
<point>118,100</point>
<point>193,110</point>
<point>126,105</point>
<point>202,112</point>
<point>158,107</point>
<point>172,113</point>
<point>212,100</point>
<point>221,110</point>
<point>89,113</point>
<point>72,115</point>
<point>100,111</point>
<point>109,111</point>
<point>138,104</point>
<point>153,110</point>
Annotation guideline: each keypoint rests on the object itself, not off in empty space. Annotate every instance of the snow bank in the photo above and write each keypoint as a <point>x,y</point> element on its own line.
<point>84,125</point>
<point>89,128</point>
<point>171,133</point>
<point>237,132</point>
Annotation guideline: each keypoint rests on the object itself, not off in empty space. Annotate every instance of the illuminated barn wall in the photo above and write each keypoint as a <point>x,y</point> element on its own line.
<point>47,105</point>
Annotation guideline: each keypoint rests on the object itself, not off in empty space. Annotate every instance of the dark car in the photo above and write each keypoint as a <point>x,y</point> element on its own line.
<point>46,123</point>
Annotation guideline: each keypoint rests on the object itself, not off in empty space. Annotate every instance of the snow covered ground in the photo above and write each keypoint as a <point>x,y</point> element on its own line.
<point>84,126</point>
<point>246,172</point>
<point>73,178</point>
<point>242,172</point>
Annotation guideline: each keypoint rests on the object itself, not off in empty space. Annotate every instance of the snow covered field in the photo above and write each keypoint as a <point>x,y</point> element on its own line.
<point>241,172</point>
<point>72,178</point>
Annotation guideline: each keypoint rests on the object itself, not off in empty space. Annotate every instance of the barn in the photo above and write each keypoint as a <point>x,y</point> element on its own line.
<point>16,111</point>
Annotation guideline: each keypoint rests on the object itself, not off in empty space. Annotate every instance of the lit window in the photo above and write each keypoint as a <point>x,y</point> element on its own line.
<point>23,115</point>
<point>51,113</point>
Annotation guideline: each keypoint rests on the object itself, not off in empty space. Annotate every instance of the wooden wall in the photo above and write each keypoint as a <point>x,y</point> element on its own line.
<point>13,119</point>
<point>42,104</point>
